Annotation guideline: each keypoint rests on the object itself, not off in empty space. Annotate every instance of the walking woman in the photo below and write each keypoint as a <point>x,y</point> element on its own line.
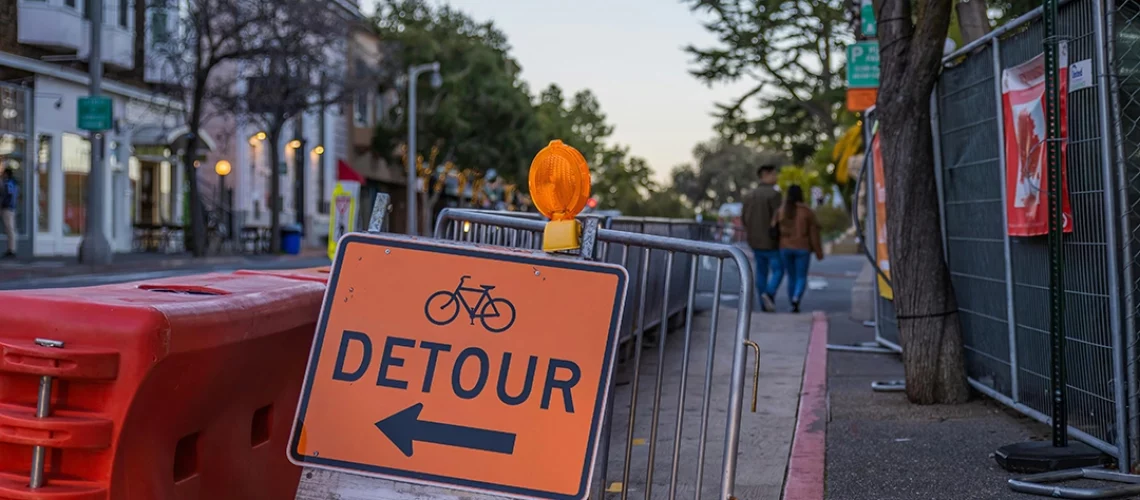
<point>799,239</point>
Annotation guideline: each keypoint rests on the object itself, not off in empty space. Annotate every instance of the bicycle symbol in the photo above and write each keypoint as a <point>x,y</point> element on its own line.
<point>442,307</point>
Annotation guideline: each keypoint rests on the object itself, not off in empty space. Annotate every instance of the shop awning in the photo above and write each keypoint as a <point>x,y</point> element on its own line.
<point>345,172</point>
<point>153,136</point>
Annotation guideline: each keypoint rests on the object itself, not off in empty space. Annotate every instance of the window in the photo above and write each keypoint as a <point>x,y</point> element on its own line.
<point>13,156</point>
<point>76,161</point>
<point>159,29</point>
<point>134,173</point>
<point>43,184</point>
<point>360,108</point>
<point>69,3</point>
<point>166,193</point>
<point>124,12</point>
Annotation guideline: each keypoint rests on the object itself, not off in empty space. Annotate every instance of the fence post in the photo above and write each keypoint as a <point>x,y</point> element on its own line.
<point>1129,327</point>
<point>1011,316</point>
<point>871,220</point>
<point>1100,41</point>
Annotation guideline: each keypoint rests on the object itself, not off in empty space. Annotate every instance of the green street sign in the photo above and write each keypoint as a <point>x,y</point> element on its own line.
<point>95,113</point>
<point>868,25</point>
<point>863,65</point>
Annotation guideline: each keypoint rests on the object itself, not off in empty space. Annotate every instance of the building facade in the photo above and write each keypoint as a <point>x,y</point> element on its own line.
<point>43,74</point>
<point>369,106</point>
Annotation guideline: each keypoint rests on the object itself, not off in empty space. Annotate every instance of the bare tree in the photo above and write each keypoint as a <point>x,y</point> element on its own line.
<point>973,19</point>
<point>911,45</point>
<point>190,44</point>
<point>301,68</point>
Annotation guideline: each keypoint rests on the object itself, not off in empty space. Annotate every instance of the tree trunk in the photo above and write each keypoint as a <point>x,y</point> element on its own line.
<point>973,20</point>
<point>197,218</point>
<point>275,204</point>
<point>929,329</point>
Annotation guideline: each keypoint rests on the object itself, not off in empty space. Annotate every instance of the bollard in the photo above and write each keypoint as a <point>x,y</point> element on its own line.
<point>43,408</point>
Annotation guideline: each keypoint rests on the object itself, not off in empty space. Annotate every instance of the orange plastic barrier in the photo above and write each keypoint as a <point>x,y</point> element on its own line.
<point>183,388</point>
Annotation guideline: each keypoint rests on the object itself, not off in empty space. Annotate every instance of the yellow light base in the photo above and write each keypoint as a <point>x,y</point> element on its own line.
<point>562,235</point>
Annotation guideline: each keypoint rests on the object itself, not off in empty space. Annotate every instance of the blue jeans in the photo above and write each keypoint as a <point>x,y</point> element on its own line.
<point>797,263</point>
<point>765,260</point>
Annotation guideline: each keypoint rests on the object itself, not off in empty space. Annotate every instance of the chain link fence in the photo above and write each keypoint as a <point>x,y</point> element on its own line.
<point>1002,281</point>
<point>1124,76</point>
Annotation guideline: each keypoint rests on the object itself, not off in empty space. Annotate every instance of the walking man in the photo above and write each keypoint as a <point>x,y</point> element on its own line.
<point>760,207</point>
<point>9,194</point>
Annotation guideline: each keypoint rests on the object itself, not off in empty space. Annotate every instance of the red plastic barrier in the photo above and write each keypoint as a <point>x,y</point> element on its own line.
<point>318,274</point>
<point>183,388</point>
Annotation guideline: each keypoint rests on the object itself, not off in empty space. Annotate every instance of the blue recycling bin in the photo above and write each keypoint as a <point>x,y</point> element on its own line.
<point>291,239</point>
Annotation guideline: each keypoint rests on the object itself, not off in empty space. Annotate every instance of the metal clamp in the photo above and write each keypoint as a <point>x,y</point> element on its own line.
<point>589,238</point>
<point>43,409</point>
<point>756,375</point>
<point>380,209</point>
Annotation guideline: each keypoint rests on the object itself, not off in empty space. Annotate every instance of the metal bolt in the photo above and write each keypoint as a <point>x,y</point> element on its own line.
<point>316,453</point>
<point>43,409</point>
<point>536,273</point>
<point>387,250</point>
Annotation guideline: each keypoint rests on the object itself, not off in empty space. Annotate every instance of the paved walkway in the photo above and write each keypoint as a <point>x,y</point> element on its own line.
<point>765,438</point>
<point>880,447</point>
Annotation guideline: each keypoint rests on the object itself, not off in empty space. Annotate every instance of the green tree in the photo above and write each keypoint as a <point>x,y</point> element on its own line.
<point>622,182</point>
<point>911,57</point>
<point>578,122</point>
<point>481,117</point>
<point>723,173</point>
<point>790,51</point>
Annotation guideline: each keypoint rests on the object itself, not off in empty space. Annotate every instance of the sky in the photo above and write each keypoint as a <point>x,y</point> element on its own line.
<point>629,53</point>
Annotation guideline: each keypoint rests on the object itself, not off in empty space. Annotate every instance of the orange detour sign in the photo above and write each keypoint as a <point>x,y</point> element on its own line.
<point>461,366</point>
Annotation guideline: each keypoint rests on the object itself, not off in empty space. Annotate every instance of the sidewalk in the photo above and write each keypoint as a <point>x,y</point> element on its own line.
<point>51,267</point>
<point>767,437</point>
<point>881,447</point>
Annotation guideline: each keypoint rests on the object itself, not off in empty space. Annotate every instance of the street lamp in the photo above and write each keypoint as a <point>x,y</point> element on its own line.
<point>222,168</point>
<point>436,82</point>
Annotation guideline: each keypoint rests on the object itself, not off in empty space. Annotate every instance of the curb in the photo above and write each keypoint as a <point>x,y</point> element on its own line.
<point>805,476</point>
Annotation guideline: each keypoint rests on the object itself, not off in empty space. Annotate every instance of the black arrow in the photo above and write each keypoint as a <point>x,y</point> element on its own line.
<point>405,426</point>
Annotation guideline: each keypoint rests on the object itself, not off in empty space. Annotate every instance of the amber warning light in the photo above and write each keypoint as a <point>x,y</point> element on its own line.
<point>559,186</point>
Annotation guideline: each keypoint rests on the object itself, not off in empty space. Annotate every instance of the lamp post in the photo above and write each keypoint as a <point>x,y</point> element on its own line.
<point>222,168</point>
<point>436,82</point>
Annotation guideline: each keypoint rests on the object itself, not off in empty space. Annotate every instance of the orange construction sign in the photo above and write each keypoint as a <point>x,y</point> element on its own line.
<point>859,100</point>
<point>461,366</point>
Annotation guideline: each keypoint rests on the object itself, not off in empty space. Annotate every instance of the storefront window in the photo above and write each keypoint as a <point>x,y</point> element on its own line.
<point>76,161</point>
<point>12,154</point>
<point>134,169</point>
<point>43,184</point>
<point>165,193</point>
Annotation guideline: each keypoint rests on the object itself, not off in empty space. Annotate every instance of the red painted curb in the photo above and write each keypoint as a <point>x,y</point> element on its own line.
<point>805,479</point>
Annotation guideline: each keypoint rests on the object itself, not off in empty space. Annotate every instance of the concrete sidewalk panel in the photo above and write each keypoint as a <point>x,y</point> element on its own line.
<point>765,437</point>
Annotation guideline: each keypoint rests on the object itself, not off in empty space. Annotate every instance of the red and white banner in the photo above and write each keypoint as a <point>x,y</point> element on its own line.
<point>1023,112</point>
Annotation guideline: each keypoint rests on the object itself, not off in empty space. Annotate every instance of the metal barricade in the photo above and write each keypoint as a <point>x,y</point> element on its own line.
<point>662,258</point>
<point>1001,282</point>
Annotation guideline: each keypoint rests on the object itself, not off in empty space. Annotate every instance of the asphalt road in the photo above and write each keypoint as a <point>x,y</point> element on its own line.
<point>104,279</point>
